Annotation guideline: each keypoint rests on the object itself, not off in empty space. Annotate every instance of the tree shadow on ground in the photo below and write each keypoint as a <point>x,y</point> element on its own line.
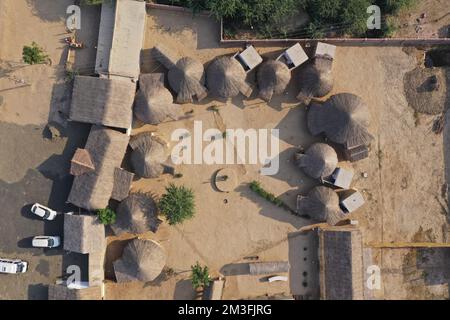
<point>184,291</point>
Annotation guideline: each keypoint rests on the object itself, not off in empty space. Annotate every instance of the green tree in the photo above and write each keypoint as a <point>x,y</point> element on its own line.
<point>200,276</point>
<point>177,204</point>
<point>106,216</point>
<point>34,54</point>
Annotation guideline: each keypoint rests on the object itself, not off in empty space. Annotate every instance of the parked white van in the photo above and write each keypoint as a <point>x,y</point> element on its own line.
<point>46,241</point>
<point>13,266</point>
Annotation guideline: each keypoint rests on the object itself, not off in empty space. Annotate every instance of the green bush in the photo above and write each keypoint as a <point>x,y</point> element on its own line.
<point>177,204</point>
<point>92,2</point>
<point>200,276</point>
<point>34,54</point>
<point>106,216</point>
<point>256,187</point>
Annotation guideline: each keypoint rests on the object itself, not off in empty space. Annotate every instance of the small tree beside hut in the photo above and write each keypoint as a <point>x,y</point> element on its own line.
<point>34,54</point>
<point>177,204</point>
<point>106,216</point>
<point>200,276</point>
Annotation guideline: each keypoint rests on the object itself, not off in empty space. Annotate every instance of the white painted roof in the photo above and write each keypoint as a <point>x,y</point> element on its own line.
<point>343,177</point>
<point>250,57</point>
<point>296,55</point>
<point>325,49</point>
<point>353,202</point>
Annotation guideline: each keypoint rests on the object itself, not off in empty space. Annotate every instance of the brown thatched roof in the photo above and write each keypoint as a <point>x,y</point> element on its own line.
<point>319,161</point>
<point>341,265</point>
<point>273,78</point>
<point>107,148</point>
<point>122,184</point>
<point>148,155</point>
<point>321,204</point>
<point>154,102</point>
<point>344,118</point>
<point>142,260</point>
<point>83,234</point>
<point>102,101</point>
<point>315,79</point>
<point>225,77</point>
<point>62,292</point>
<point>81,163</point>
<point>136,214</point>
<point>187,78</point>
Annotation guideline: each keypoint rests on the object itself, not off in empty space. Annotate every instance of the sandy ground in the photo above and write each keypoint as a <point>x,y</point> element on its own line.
<point>403,189</point>
<point>435,24</point>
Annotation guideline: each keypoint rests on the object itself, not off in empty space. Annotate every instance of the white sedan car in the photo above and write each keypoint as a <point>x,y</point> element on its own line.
<point>43,212</point>
<point>46,242</point>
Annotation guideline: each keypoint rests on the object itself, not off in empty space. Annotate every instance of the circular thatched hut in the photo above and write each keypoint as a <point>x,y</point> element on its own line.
<point>315,79</point>
<point>187,78</point>
<point>273,78</point>
<point>321,204</point>
<point>142,260</point>
<point>319,161</point>
<point>344,118</point>
<point>148,155</point>
<point>225,77</point>
<point>154,102</point>
<point>137,214</point>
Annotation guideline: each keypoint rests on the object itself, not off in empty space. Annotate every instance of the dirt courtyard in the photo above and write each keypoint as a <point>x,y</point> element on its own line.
<point>403,188</point>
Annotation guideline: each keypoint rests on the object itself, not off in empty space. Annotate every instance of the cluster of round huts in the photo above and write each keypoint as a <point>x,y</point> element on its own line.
<point>342,120</point>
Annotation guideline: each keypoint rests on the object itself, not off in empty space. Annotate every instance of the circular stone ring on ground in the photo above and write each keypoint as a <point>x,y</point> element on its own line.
<point>225,180</point>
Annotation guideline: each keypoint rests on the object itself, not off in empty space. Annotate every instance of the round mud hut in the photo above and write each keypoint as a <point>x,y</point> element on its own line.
<point>154,102</point>
<point>315,80</point>
<point>142,260</point>
<point>273,78</point>
<point>137,214</point>
<point>344,118</point>
<point>187,79</point>
<point>321,204</point>
<point>148,156</point>
<point>319,160</point>
<point>226,78</point>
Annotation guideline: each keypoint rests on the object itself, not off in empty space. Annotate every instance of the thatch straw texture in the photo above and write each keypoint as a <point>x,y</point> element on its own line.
<point>154,102</point>
<point>315,79</point>
<point>83,234</point>
<point>122,184</point>
<point>142,260</point>
<point>148,155</point>
<point>165,56</point>
<point>136,214</point>
<point>225,77</point>
<point>319,161</point>
<point>107,148</point>
<point>273,78</point>
<point>102,101</point>
<point>321,204</point>
<point>341,265</point>
<point>344,118</point>
<point>81,163</point>
<point>187,78</point>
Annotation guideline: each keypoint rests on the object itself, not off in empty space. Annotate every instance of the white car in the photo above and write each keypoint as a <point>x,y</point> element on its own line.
<point>46,242</point>
<point>43,212</point>
<point>13,266</point>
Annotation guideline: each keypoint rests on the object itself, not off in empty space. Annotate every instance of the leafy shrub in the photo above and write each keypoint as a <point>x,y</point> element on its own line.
<point>106,216</point>
<point>200,276</point>
<point>177,204</point>
<point>34,54</point>
<point>256,187</point>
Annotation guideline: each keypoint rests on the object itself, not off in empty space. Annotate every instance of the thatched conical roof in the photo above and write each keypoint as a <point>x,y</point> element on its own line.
<point>142,260</point>
<point>315,80</point>
<point>344,118</point>
<point>225,77</point>
<point>187,78</point>
<point>148,155</point>
<point>321,204</point>
<point>154,102</point>
<point>319,161</point>
<point>273,78</point>
<point>136,214</point>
